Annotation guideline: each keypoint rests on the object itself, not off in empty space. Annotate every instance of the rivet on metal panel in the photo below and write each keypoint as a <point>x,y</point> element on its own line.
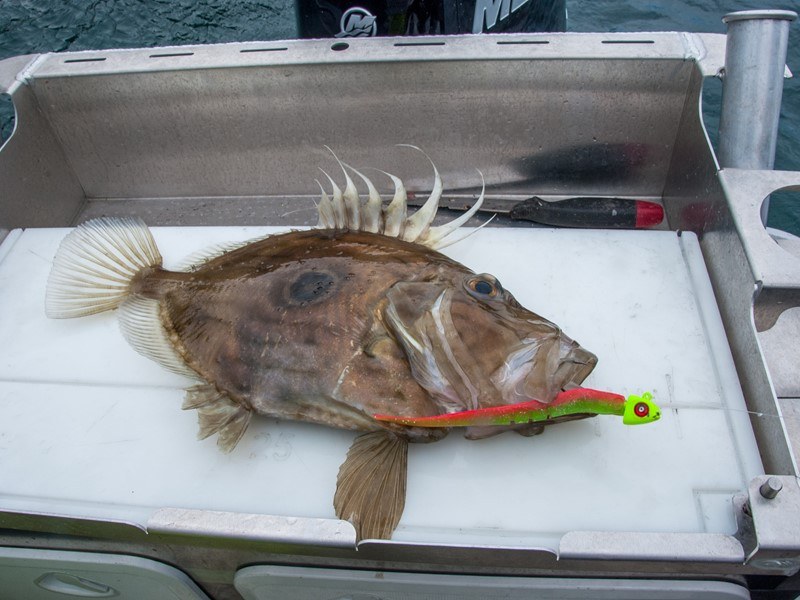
<point>770,531</point>
<point>770,488</point>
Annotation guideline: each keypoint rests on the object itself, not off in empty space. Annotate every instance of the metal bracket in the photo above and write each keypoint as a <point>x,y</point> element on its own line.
<point>768,516</point>
<point>707,50</point>
<point>771,265</point>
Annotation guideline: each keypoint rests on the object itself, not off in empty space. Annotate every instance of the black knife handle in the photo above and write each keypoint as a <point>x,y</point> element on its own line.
<point>602,213</point>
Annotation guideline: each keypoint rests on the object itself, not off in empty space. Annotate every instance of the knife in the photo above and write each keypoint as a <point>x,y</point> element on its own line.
<point>586,212</point>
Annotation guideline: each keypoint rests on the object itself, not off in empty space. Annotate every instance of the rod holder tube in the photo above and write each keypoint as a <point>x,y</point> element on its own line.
<point>752,89</point>
<point>755,59</point>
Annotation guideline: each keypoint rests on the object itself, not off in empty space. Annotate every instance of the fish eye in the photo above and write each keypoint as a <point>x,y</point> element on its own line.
<point>483,286</point>
<point>641,409</point>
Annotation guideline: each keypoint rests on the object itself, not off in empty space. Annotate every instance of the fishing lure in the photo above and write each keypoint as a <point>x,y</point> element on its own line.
<point>634,410</point>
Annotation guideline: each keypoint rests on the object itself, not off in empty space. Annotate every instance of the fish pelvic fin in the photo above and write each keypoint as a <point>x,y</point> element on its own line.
<point>95,264</point>
<point>347,211</point>
<point>371,486</point>
<point>218,413</point>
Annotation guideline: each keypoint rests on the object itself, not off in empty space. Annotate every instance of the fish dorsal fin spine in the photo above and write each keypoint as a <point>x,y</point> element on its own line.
<point>95,264</point>
<point>346,211</point>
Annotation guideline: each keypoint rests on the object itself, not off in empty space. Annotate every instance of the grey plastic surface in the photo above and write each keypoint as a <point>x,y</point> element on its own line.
<point>51,574</point>
<point>267,582</point>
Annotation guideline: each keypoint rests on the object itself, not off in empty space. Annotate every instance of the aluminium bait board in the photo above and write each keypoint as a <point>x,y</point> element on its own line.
<point>217,143</point>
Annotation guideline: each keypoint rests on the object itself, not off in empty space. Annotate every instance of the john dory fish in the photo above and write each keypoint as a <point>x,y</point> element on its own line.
<point>358,317</point>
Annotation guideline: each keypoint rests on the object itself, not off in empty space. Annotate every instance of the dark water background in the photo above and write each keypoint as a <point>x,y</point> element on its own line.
<point>30,26</point>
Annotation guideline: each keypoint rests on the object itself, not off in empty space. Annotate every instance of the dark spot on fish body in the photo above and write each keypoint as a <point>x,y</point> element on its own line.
<point>310,287</point>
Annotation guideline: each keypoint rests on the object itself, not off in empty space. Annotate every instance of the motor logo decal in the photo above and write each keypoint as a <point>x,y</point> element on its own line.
<point>357,22</point>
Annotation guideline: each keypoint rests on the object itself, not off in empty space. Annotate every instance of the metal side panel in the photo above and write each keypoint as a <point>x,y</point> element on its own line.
<point>37,185</point>
<point>527,124</point>
<point>173,123</point>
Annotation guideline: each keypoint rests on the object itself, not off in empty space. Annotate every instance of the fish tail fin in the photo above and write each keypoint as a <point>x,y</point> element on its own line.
<point>95,264</point>
<point>371,486</point>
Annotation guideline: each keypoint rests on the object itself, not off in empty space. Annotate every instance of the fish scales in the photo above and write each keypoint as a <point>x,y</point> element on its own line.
<point>331,326</point>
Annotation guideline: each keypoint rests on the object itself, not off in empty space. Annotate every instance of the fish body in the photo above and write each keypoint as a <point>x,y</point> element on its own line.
<point>331,326</point>
<point>305,326</point>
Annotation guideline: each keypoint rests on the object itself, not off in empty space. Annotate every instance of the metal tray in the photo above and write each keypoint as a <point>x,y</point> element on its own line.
<point>232,135</point>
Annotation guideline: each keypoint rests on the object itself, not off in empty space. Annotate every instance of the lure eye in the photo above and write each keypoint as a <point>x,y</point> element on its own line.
<point>483,286</point>
<point>641,409</point>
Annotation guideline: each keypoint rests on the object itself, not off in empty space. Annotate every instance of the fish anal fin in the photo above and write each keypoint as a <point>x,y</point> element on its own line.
<point>217,413</point>
<point>371,486</point>
<point>140,323</point>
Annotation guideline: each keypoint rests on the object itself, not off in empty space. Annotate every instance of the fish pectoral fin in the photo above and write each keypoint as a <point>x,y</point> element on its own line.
<point>217,413</point>
<point>417,314</point>
<point>371,486</point>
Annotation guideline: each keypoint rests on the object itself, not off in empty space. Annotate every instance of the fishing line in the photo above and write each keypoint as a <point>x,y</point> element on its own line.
<point>755,413</point>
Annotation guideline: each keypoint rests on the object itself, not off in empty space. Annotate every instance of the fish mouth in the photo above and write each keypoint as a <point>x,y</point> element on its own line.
<point>575,367</point>
<point>541,367</point>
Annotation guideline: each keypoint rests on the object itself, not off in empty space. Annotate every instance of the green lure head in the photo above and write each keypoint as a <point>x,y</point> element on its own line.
<point>640,409</point>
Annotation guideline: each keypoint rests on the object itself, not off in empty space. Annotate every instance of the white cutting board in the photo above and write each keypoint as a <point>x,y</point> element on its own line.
<point>90,428</point>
